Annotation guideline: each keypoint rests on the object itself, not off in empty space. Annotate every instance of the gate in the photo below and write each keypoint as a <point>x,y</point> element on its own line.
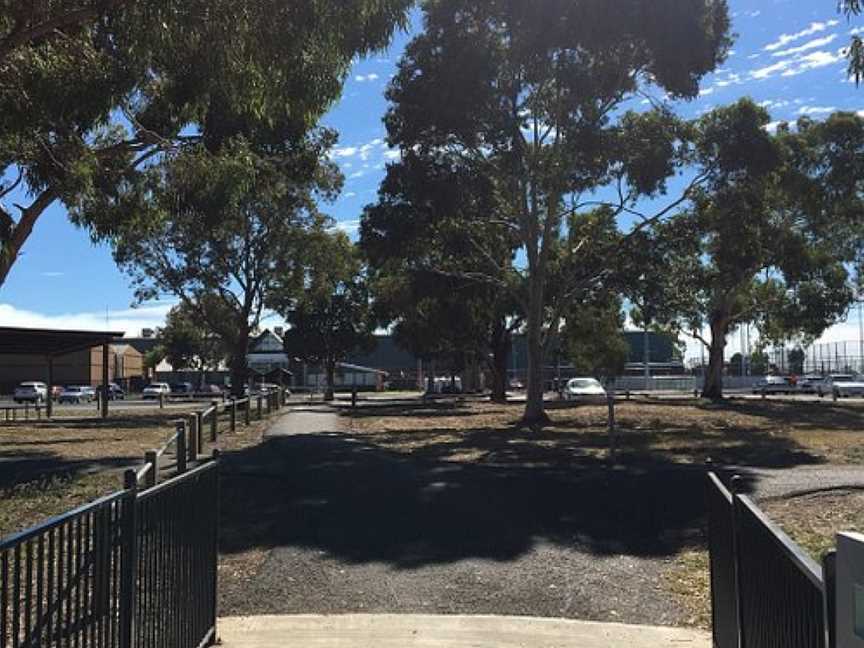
<point>130,570</point>
<point>766,592</point>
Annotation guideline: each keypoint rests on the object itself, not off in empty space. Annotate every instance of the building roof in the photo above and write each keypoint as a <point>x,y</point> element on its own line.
<point>50,342</point>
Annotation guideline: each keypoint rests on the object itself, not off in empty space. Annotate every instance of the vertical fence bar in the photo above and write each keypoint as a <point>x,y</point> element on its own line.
<point>829,575</point>
<point>151,458</point>
<point>128,561</point>
<point>247,413</point>
<point>214,421</point>
<point>233,414</point>
<point>182,452</point>
<point>259,407</point>
<point>193,438</point>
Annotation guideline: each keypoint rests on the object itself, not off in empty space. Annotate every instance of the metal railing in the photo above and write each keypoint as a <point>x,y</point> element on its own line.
<point>131,569</point>
<point>766,592</point>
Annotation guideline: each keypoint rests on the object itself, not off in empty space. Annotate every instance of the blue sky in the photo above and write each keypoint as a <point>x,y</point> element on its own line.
<point>787,55</point>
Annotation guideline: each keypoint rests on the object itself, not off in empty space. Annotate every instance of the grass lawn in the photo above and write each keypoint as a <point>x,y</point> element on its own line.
<point>47,468</point>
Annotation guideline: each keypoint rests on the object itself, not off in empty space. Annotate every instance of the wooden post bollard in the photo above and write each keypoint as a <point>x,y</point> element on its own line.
<point>192,444</point>
<point>232,411</point>
<point>627,394</point>
<point>151,457</point>
<point>247,411</point>
<point>259,407</point>
<point>161,400</point>
<point>610,402</point>
<point>214,421</point>
<point>354,398</point>
<point>182,451</point>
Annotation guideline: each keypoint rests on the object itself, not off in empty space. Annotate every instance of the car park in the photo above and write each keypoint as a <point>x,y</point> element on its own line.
<point>809,384</point>
<point>584,389</point>
<point>774,385</point>
<point>31,392</point>
<point>156,390</point>
<point>115,392</point>
<point>75,394</point>
<point>842,385</point>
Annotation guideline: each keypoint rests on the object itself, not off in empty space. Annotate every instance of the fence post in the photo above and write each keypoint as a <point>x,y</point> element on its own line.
<point>233,414</point>
<point>151,457</point>
<point>192,445</point>
<point>259,407</point>
<point>128,561</point>
<point>214,421</point>
<point>735,485</point>
<point>610,402</point>
<point>181,447</point>
<point>247,411</point>
<point>199,432</point>
<point>829,575</point>
<point>161,400</point>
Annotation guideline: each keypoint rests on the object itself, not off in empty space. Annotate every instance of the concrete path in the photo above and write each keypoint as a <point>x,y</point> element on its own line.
<point>306,419</point>
<point>430,631</point>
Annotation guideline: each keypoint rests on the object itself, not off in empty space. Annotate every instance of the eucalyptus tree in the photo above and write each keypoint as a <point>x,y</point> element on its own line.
<point>221,232</point>
<point>531,94</point>
<point>430,250</point>
<point>188,343</point>
<point>95,91</point>
<point>855,53</point>
<point>779,228</point>
<point>331,316</point>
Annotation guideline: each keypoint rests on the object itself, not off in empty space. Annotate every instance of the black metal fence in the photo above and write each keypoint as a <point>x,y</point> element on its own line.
<point>131,569</point>
<point>766,592</point>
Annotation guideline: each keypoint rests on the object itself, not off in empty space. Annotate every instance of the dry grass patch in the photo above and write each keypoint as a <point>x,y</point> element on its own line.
<point>769,433</point>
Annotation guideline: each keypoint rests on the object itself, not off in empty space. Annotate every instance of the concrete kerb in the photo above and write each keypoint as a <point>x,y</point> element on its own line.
<point>445,631</point>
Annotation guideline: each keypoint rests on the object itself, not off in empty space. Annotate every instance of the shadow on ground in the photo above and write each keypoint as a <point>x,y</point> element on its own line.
<point>362,502</point>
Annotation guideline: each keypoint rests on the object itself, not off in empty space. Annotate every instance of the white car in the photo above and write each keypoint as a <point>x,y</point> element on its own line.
<point>75,394</point>
<point>773,385</point>
<point>584,389</point>
<point>155,390</point>
<point>809,384</point>
<point>32,392</point>
<point>842,385</point>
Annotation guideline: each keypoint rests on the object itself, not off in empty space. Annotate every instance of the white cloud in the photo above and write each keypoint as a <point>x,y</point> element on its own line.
<point>706,91</point>
<point>361,78</point>
<point>772,127</point>
<point>816,110</point>
<point>813,44</point>
<point>798,64</point>
<point>344,152</point>
<point>348,226</point>
<point>754,14</point>
<point>350,194</point>
<point>392,154</point>
<point>52,274</point>
<point>356,174</point>
<point>814,28</point>
<point>129,320</point>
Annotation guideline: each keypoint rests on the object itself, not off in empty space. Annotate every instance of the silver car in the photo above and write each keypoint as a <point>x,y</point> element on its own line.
<point>842,385</point>
<point>75,394</point>
<point>31,392</point>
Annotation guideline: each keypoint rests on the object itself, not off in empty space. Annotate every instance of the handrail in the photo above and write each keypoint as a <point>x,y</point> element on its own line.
<point>171,441</point>
<point>721,487</point>
<point>190,474</point>
<point>141,473</point>
<point>51,523</point>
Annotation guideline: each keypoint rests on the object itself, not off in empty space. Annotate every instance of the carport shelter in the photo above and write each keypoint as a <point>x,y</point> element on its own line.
<point>51,344</point>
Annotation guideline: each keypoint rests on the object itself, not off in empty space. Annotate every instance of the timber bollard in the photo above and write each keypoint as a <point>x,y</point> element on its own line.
<point>233,414</point>
<point>151,457</point>
<point>214,421</point>
<point>161,400</point>
<point>610,402</point>
<point>269,399</point>
<point>182,452</point>
<point>247,411</point>
<point>192,445</point>
<point>259,404</point>
<point>354,398</point>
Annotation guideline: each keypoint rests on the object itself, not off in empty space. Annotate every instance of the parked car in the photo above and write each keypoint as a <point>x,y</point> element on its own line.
<point>774,385</point>
<point>515,383</point>
<point>182,389</point>
<point>212,390</point>
<point>32,392</point>
<point>584,389</point>
<point>56,390</point>
<point>76,394</point>
<point>115,392</point>
<point>842,385</point>
<point>156,389</point>
<point>90,390</point>
<point>809,384</point>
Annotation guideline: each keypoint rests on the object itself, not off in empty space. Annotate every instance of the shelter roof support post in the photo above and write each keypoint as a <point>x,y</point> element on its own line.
<point>49,398</point>
<point>104,392</point>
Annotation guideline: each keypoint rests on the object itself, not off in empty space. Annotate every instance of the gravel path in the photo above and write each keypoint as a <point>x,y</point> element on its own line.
<point>351,527</point>
<point>354,528</point>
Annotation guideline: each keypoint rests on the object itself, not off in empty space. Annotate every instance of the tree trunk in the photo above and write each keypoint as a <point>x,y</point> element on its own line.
<point>500,347</point>
<point>534,411</point>
<point>238,363</point>
<point>713,387</point>
<point>329,392</point>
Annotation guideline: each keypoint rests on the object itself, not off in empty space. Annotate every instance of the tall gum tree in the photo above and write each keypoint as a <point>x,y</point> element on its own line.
<point>531,94</point>
<point>96,91</point>
<point>777,225</point>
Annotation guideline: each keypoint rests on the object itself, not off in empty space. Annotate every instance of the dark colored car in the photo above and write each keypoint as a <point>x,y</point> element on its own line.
<point>115,392</point>
<point>182,389</point>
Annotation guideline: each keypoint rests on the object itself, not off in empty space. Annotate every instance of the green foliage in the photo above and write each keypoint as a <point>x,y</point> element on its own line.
<point>855,53</point>
<point>331,318</point>
<point>594,339</point>
<point>778,225</point>
<point>527,95</point>
<point>111,91</point>
<point>187,342</point>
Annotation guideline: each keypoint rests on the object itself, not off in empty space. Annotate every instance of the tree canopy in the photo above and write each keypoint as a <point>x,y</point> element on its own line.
<point>528,94</point>
<point>97,91</point>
